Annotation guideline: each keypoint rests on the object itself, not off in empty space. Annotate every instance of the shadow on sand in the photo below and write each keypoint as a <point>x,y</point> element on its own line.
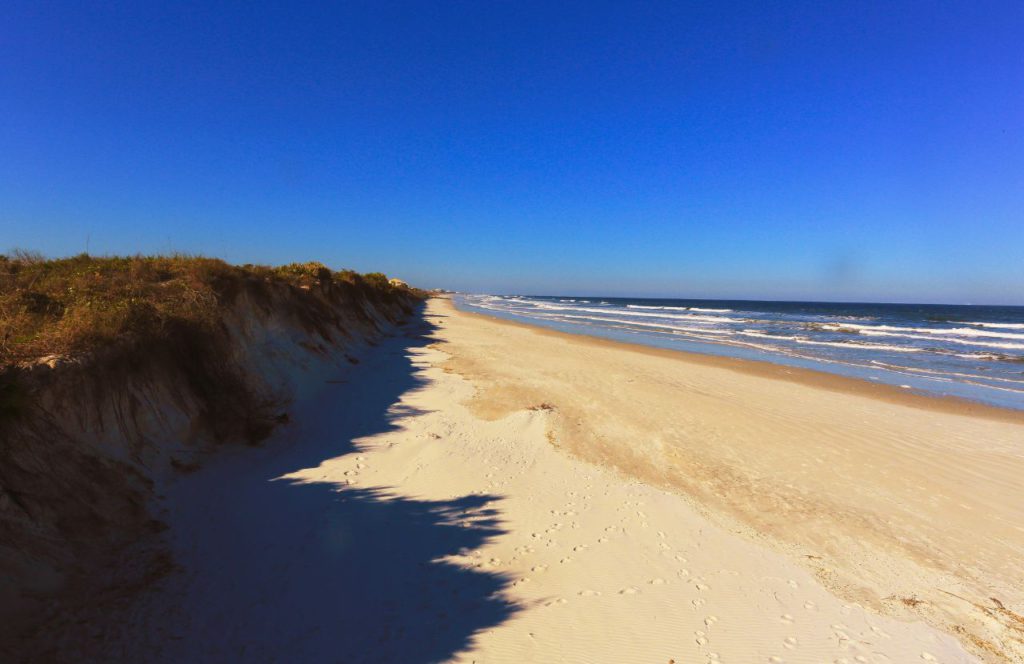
<point>273,569</point>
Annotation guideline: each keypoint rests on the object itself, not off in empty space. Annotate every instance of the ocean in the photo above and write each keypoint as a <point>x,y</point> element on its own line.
<point>967,351</point>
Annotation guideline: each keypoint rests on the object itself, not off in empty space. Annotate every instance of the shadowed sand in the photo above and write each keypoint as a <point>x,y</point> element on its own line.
<point>424,509</point>
<point>286,554</point>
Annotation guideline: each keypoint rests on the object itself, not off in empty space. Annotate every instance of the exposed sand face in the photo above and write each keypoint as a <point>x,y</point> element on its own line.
<point>914,512</point>
<point>398,525</point>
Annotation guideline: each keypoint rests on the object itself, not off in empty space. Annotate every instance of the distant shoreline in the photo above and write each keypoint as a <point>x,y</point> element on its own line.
<point>756,301</point>
<point>766,369</point>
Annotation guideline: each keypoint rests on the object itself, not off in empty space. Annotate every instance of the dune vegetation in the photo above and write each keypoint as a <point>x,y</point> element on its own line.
<point>70,306</point>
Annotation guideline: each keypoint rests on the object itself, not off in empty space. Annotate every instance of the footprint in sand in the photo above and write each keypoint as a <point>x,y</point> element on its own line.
<point>710,620</point>
<point>683,572</point>
<point>556,602</point>
<point>567,559</point>
<point>928,657</point>
<point>602,540</point>
<point>589,593</point>
<point>657,582</point>
<point>702,587</point>
<point>701,640</point>
<point>775,660</point>
<point>793,584</point>
<point>579,547</point>
<point>629,591</point>
<point>697,603</point>
<point>790,642</point>
<point>538,568</point>
<point>786,618</point>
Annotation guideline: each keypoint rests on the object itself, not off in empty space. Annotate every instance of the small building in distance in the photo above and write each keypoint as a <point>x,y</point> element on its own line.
<point>398,283</point>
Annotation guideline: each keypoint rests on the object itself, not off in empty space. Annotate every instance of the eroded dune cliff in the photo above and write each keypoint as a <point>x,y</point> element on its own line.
<point>88,435</point>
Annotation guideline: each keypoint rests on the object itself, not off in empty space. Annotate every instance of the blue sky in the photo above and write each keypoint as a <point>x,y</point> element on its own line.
<point>807,150</point>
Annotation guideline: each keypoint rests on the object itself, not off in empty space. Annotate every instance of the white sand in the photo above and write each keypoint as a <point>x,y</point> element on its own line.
<point>398,526</point>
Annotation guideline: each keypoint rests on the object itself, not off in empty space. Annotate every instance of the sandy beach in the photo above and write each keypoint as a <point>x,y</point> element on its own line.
<point>478,491</point>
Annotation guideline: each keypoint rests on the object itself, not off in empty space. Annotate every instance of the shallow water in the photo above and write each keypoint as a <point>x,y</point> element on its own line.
<point>973,352</point>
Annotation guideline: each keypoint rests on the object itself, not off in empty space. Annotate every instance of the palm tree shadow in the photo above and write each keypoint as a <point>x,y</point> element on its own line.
<point>281,569</point>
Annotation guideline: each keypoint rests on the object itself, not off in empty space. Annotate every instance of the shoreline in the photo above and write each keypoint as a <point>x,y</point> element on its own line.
<point>766,369</point>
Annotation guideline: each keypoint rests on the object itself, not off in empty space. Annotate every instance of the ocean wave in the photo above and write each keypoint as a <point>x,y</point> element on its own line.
<point>713,311</point>
<point>664,326</point>
<point>836,344</point>
<point>1008,326</point>
<point>644,306</point>
<point>622,312</point>
<point>962,342</point>
<point>954,331</point>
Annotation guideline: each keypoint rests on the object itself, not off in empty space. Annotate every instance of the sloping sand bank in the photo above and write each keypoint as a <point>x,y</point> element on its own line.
<point>396,523</point>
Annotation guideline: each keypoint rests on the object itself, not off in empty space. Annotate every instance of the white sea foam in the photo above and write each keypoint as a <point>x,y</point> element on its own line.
<point>837,344</point>
<point>945,375</point>
<point>947,331</point>
<point>644,306</point>
<point>622,312</point>
<point>948,340</point>
<point>664,326</point>
<point>1008,326</point>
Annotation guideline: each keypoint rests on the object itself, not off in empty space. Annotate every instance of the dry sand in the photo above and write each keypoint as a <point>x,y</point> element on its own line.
<point>909,505</point>
<point>485,492</point>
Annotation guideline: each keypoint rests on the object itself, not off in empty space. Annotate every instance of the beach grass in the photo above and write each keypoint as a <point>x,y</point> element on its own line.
<point>76,305</point>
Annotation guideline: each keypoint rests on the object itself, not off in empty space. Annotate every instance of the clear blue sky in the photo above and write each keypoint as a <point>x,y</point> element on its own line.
<point>827,150</point>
